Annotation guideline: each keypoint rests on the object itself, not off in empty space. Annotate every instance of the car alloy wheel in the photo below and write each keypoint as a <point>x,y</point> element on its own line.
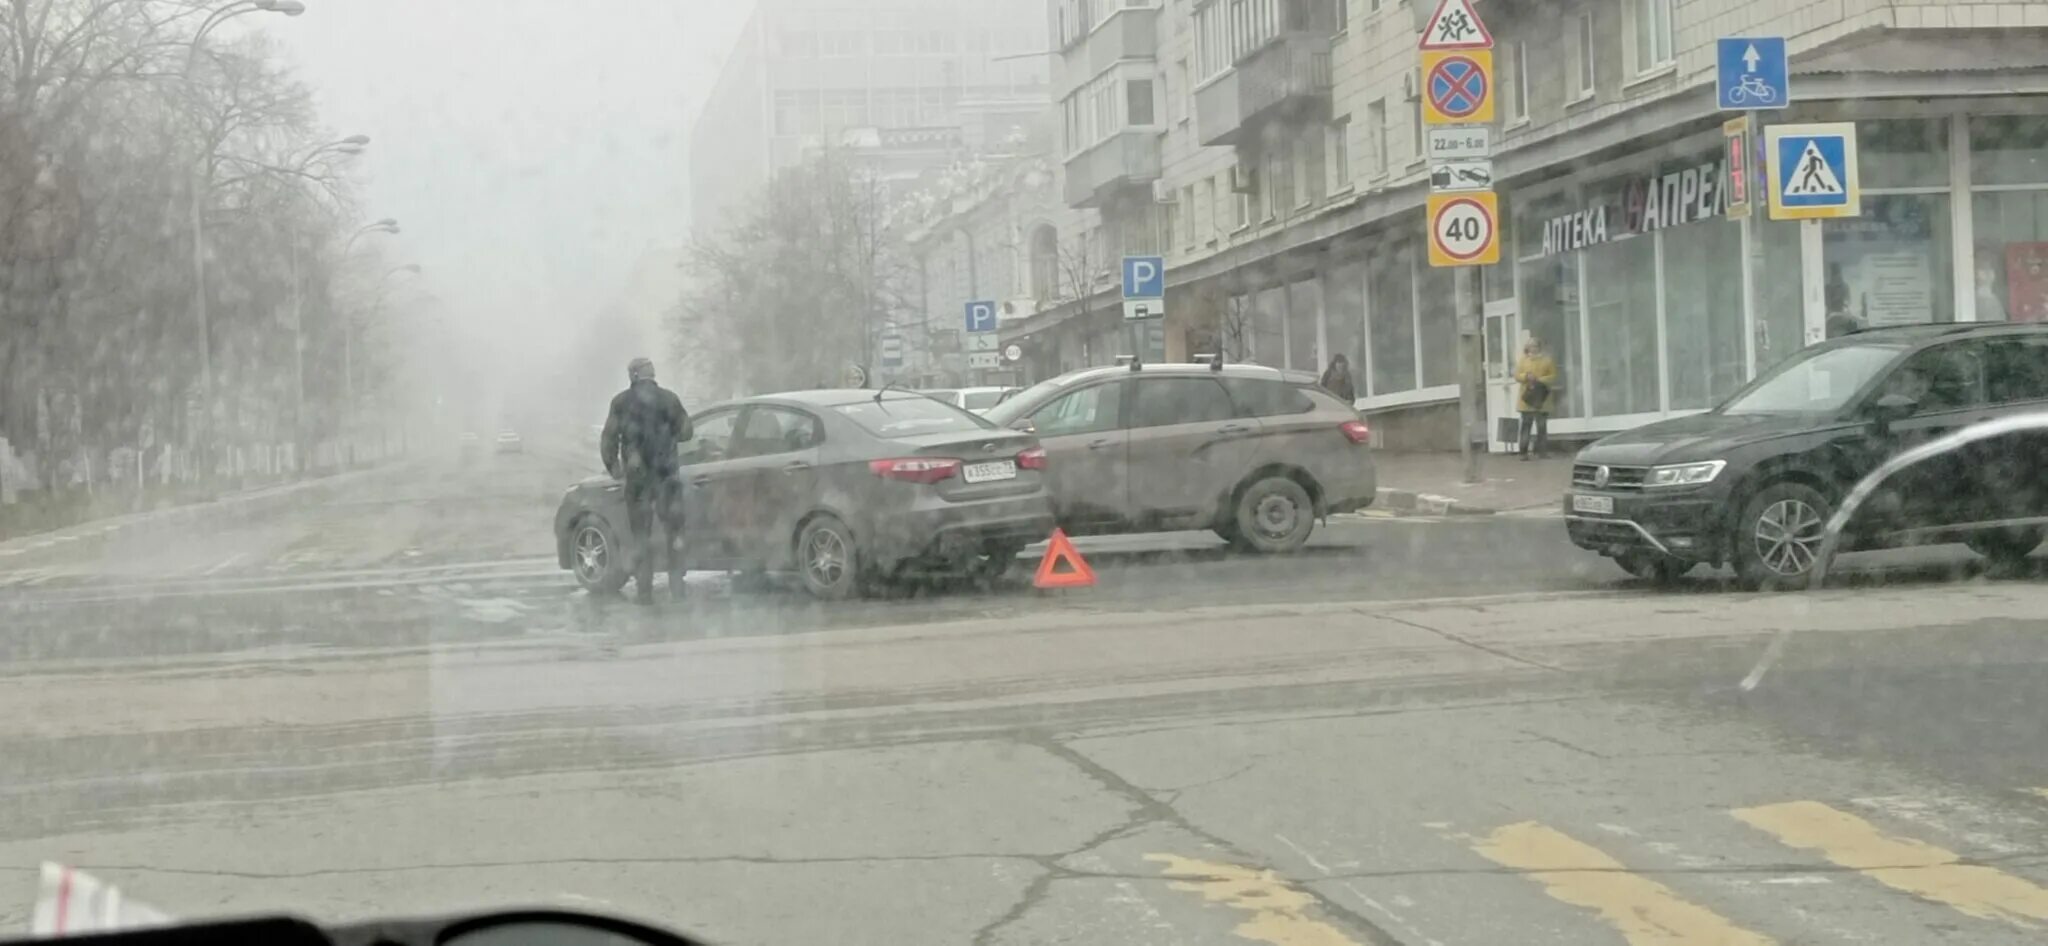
<point>594,558</point>
<point>828,560</point>
<point>1788,537</point>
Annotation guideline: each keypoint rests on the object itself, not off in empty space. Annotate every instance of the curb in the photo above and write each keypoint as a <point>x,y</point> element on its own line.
<point>1427,504</point>
<point>243,502</point>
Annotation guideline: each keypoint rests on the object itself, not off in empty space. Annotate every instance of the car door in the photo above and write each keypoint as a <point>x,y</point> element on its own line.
<point>772,479</point>
<point>2012,469</point>
<point>1086,444</point>
<point>1188,448</point>
<point>1945,385</point>
<point>708,479</point>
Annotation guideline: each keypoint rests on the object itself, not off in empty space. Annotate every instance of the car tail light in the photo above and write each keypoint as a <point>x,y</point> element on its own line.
<point>1355,431</point>
<point>1031,459</point>
<point>916,469</point>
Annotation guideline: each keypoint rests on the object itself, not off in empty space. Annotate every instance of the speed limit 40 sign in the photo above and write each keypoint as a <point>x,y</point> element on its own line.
<point>1464,229</point>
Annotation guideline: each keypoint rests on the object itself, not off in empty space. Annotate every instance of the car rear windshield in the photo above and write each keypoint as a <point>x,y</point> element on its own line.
<point>910,416</point>
<point>1265,397</point>
<point>982,400</point>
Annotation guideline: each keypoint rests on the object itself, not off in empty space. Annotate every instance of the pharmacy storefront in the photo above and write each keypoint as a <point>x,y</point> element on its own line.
<point>1634,275</point>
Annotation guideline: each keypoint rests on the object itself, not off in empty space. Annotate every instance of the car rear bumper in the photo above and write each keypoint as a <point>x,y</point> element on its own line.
<point>1688,526</point>
<point>956,532</point>
<point>1355,489</point>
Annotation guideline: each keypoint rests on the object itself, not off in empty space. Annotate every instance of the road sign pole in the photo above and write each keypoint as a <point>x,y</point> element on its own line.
<point>1752,238</point>
<point>1465,293</point>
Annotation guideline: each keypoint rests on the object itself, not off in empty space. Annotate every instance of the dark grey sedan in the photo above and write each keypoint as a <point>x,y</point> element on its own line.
<point>846,488</point>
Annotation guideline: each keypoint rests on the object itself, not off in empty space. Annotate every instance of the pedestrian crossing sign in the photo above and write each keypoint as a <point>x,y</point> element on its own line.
<point>1812,171</point>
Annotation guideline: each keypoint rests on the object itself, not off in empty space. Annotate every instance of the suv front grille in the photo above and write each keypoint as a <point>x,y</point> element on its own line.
<point>1618,477</point>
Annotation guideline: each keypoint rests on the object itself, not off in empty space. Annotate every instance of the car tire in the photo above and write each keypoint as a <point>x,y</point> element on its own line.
<point>1274,516</point>
<point>829,562</point>
<point>596,557</point>
<point>1654,566</point>
<point>1778,537</point>
<point>2008,546</point>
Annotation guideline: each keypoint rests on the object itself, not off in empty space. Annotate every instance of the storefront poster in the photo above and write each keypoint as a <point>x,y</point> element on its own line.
<point>1894,289</point>
<point>2026,282</point>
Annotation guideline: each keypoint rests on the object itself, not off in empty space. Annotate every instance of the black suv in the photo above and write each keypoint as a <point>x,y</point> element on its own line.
<point>1752,482</point>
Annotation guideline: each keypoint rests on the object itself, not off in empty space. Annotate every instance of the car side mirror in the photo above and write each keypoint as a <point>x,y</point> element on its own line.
<point>1890,408</point>
<point>1024,424</point>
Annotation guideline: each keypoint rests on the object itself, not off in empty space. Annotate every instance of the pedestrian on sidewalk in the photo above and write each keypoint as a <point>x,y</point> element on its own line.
<point>639,442</point>
<point>1537,374</point>
<point>1337,379</point>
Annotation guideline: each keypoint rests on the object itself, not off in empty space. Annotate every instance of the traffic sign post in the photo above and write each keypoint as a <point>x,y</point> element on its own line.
<point>892,350</point>
<point>1811,171</point>
<point>1735,184</point>
<point>1752,73</point>
<point>1464,229</point>
<point>1457,86</point>
<point>1144,277</point>
<point>1455,25</point>
<point>984,359</point>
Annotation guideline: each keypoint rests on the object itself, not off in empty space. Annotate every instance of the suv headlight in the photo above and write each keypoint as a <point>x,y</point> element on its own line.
<point>1684,474</point>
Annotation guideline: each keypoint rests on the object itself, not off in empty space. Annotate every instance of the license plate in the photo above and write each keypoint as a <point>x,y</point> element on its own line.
<point>1602,505</point>
<point>989,472</point>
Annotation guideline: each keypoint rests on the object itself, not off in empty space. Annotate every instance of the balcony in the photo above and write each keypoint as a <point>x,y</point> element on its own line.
<point>1128,158</point>
<point>1128,34</point>
<point>1287,78</point>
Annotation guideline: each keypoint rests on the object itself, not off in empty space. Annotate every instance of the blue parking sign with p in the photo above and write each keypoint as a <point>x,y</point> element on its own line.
<point>981,316</point>
<point>1144,277</point>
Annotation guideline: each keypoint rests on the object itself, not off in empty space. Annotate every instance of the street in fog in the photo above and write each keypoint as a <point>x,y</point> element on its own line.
<point>379,694</point>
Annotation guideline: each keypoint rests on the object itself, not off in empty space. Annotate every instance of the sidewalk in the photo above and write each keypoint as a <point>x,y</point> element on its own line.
<point>1433,483</point>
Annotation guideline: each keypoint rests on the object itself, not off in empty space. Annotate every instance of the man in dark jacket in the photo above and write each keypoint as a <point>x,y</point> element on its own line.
<point>639,446</point>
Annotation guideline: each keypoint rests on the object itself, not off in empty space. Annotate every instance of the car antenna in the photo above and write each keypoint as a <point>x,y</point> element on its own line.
<point>884,389</point>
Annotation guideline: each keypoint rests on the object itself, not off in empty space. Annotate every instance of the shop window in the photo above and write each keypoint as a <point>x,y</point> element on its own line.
<point>1344,319</point>
<point>1780,317</point>
<point>1269,308</point>
<point>1550,311</point>
<point>1902,152</point>
<point>2009,149</point>
<point>1621,327</point>
<point>1890,266</point>
<point>1303,299</point>
<point>1391,321</point>
<point>1436,324</point>
<point>2012,255</point>
<point>1703,312</point>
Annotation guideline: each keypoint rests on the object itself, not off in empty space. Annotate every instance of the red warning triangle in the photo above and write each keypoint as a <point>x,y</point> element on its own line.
<point>1060,551</point>
<point>1455,25</point>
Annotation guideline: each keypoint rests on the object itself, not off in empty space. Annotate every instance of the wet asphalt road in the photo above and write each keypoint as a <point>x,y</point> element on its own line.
<point>379,695</point>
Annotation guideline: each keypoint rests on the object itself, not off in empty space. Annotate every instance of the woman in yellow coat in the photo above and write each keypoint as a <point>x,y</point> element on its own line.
<point>1536,372</point>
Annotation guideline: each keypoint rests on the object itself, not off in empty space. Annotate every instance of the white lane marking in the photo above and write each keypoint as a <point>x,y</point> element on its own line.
<point>1395,918</point>
<point>1305,855</point>
<point>226,563</point>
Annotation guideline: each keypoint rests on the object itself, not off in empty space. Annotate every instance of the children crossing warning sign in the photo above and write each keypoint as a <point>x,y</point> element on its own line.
<point>1812,171</point>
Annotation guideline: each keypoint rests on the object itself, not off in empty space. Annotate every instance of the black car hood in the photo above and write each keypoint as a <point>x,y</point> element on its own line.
<point>1694,437</point>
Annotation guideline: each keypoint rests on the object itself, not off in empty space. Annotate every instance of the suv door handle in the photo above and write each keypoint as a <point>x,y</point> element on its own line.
<point>795,466</point>
<point>701,479</point>
<point>1234,429</point>
<point>1099,444</point>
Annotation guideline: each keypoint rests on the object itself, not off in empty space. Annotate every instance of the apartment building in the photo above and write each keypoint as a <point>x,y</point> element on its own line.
<point>1278,166</point>
<point>904,85</point>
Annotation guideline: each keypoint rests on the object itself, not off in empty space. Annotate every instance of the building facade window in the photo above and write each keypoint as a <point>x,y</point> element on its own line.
<point>1138,101</point>
<point>1893,264</point>
<point>1312,178</point>
<point>1653,46</point>
<point>1516,69</point>
<point>2009,201</point>
<point>1390,290</point>
<point>1340,153</point>
<point>1584,44</point>
<point>1376,126</point>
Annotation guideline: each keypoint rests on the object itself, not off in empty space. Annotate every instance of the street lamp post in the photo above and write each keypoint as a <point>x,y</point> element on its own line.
<point>348,334</point>
<point>202,185</point>
<point>346,147</point>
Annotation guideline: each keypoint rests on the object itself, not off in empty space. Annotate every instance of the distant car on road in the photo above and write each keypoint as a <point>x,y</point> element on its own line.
<point>848,488</point>
<point>976,400</point>
<point>509,442</point>
<point>1253,453</point>
<point>1752,483</point>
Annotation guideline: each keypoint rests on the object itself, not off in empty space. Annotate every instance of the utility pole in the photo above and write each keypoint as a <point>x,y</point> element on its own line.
<point>1471,370</point>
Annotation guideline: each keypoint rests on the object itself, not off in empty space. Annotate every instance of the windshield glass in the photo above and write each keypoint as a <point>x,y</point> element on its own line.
<point>1819,383</point>
<point>910,416</point>
<point>468,454</point>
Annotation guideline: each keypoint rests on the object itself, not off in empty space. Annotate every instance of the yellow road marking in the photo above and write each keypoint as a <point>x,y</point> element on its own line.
<point>1645,912</point>
<point>1915,867</point>
<point>1279,911</point>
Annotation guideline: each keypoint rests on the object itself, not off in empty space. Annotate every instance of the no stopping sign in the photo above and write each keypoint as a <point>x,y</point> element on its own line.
<point>1464,229</point>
